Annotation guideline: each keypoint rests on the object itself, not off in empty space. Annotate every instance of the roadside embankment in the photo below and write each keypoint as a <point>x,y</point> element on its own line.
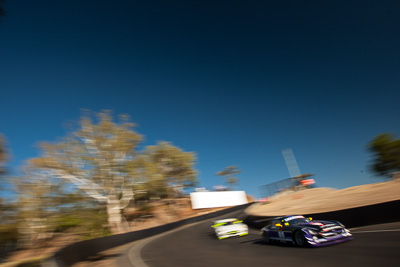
<point>353,206</point>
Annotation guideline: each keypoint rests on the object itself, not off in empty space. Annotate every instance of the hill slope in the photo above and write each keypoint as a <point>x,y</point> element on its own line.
<point>317,200</point>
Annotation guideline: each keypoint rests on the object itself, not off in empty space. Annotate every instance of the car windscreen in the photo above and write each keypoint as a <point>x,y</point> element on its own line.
<point>298,221</point>
<point>232,222</point>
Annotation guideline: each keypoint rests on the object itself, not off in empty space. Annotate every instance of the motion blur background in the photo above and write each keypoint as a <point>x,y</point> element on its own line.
<point>225,83</point>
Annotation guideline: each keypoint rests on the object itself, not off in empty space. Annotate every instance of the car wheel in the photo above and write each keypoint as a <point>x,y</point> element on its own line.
<point>266,238</point>
<point>299,239</point>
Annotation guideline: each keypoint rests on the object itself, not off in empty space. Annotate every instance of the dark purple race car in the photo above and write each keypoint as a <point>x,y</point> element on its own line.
<point>305,232</point>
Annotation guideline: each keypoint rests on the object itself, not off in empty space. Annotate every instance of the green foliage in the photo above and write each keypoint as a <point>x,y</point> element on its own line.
<point>67,222</point>
<point>89,222</point>
<point>175,165</point>
<point>386,152</point>
<point>162,171</point>
<point>94,226</point>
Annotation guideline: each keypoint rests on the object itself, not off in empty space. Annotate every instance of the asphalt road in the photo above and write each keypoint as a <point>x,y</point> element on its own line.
<point>196,245</point>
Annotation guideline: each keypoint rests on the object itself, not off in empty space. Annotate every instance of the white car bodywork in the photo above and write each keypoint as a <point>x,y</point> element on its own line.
<point>230,227</point>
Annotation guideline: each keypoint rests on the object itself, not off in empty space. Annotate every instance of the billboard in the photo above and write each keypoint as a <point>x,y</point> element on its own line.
<point>204,200</point>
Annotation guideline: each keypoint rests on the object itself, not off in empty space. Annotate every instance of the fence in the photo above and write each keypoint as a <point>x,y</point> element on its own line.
<point>287,185</point>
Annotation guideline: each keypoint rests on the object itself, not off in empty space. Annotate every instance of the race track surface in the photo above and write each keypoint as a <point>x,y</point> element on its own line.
<point>376,245</point>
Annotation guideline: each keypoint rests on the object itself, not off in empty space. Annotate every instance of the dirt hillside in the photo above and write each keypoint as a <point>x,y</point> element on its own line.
<point>317,200</point>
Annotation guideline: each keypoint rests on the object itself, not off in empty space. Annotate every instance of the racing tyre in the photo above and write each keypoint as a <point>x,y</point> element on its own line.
<point>299,239</point>
<point>266,238</point>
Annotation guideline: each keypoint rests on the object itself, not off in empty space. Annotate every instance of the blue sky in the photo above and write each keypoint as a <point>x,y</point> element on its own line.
<point>234,81</point>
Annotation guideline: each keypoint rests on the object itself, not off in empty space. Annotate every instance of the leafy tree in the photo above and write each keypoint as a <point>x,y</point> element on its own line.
<point>102,160</point>
<point>95,158</point>
<point>162,173</point>
<point>229,173</point>
<point>386,152</point>
<point>171,166</point>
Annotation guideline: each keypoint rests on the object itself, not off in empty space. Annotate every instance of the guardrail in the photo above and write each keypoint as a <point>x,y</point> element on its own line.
<point>353,217</point>
<point>80,251</point>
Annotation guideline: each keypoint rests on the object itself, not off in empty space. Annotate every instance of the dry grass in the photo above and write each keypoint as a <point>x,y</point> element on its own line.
<point>328,199</point>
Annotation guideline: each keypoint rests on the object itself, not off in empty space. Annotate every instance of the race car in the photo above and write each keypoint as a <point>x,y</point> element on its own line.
<point>230,227</point>
<point>303,231</point>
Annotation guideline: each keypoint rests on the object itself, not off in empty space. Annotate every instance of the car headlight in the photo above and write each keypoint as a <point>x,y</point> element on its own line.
<point>312,232</point>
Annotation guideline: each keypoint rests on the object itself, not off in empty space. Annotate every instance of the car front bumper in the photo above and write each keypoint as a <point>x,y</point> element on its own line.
<point>320,242</point>
<point>223,236</point>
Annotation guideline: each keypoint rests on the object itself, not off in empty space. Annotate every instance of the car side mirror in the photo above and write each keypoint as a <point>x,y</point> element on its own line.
<point>278,225</point>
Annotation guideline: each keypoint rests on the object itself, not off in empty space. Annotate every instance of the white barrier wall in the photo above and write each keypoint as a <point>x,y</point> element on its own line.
<point>203,200</point>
